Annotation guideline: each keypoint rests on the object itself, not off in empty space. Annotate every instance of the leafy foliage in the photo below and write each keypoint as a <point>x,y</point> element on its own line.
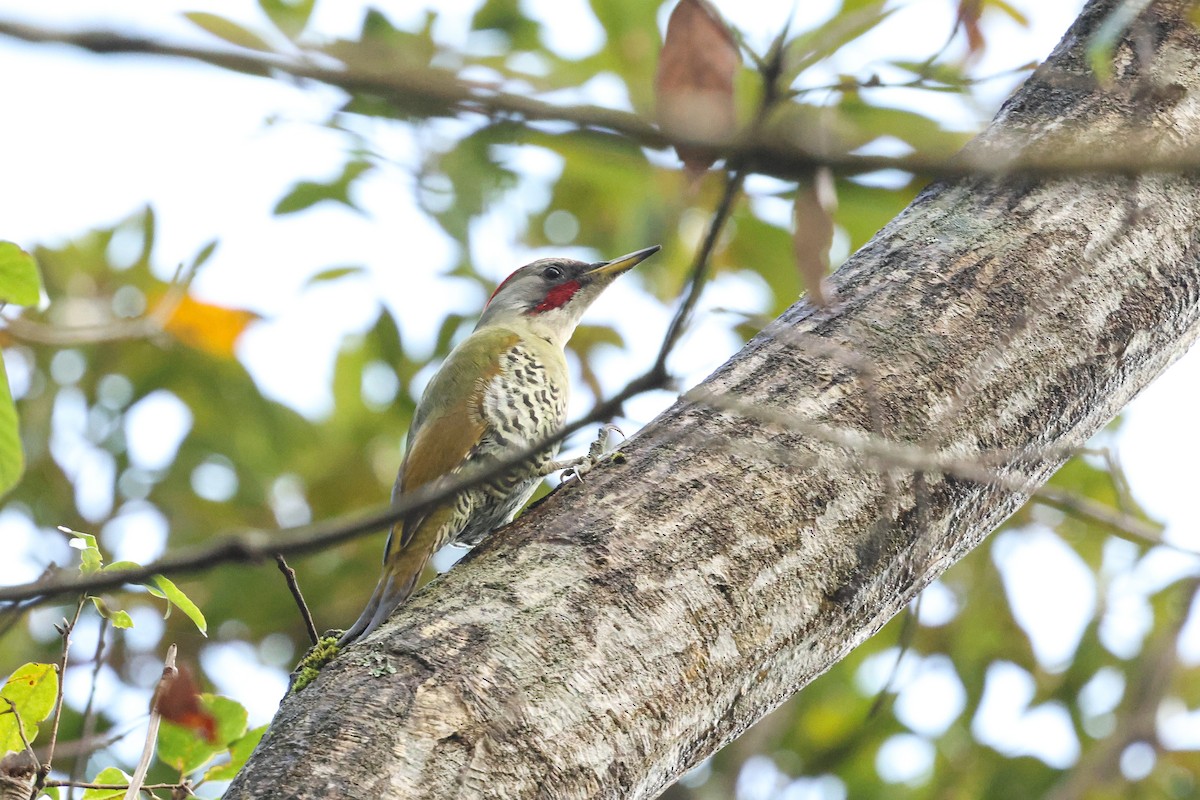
<point>28,695</point>
<point>107,776</point>
<point>20,284</point>
<point>186,750</point>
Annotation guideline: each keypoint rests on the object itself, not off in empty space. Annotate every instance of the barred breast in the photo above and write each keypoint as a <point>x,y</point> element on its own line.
<point>523,404</point>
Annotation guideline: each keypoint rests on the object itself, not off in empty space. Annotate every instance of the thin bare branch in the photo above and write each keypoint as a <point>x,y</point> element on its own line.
<point>36,332</point>
<point>870,451</point>
<point>699,271</point>
<point>1122,523</point>
<point>169,673</point>
<point>89,711</point>
<point>289,575</point>
<point>12,709</point>
<point>66,631</point>
<point>113,786</point>
<point>151,325</point>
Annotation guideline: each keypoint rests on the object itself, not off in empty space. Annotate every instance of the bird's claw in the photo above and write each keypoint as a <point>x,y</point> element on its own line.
<point>595,455</point>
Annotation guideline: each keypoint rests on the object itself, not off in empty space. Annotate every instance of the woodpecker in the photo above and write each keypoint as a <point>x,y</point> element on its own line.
<point>498,393</point>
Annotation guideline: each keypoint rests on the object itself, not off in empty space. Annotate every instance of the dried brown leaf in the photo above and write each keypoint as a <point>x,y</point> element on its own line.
<point>694,82</point>
<point>179,702</point>
<point>816,203</point>
<point>969,12</point>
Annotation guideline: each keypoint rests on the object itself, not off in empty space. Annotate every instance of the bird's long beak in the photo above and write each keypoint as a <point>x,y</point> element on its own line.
<point>625,262</point>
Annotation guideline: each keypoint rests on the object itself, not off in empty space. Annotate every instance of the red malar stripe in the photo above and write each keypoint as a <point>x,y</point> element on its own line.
<point>557,297</point>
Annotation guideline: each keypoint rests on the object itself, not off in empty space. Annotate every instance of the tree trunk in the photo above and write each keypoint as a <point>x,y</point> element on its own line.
<point>783,512</point>
<point>18,773</point>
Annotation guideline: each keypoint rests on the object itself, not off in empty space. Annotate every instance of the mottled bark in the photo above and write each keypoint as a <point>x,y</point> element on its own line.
<point>629,627</point>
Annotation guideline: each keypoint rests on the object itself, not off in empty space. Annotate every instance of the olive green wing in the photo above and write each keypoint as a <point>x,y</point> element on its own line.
<point>449,423</point>
<point>447,426</point>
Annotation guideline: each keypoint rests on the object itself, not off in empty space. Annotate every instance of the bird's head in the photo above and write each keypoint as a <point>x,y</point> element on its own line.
<point>551,294</point>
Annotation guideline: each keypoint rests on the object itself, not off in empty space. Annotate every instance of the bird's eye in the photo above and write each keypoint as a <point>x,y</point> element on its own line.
<point>552,273</point>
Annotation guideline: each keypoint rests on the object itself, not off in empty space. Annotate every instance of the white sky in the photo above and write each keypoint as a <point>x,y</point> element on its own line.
<point>96,138</point>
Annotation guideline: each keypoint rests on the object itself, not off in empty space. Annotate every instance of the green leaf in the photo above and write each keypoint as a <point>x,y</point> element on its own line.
<point>227,30</point>
<point>332,274</point>
<point>32,690</point>
<point>117,566</point>
<point>860,122</point>
<point>162,588</point>
<point>186,750</point>
<point>1012,12</point>
<point>949,74</point>
<point>239,753</point>
<point>51,792</point>
<point>824,40</point>
<point>12,459</point>
<point>505,16</point>
<point>185,604</point>
<point>119,618</point>
<point>306,194</point>
<point>108,775</point>
<point>204,254</point>
<point>290,17</point>
<point>19,280</point>
<point>89,552</point>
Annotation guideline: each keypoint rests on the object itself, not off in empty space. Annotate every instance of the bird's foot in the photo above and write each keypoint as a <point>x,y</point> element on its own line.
<point>317,657</point>
<point>578,467</point>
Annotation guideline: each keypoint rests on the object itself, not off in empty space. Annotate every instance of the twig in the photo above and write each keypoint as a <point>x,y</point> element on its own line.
<point>289,575</point>
<point>922,81</point>
<point>11,614</point>
<point>169,674</point>
<point>908,628</point>
<point>12,709</point>
<point>148,326</point>
<point>1121,523</point>
<point>735,176</point>
<point>1120,482</point>
<point>67,630</point>
<point>89,711</point>
<point>146,787</point>
<point>87,747</point>
<point>29,330</point>
<point>871,449</point>
<point>699,271</point>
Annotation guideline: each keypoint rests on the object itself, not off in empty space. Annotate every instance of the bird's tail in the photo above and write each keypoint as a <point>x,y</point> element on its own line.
<point>390,592</point>
<point>399,579</point>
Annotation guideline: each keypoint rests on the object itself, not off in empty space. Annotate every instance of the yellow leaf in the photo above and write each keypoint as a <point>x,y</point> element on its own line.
<point>204,326</point>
